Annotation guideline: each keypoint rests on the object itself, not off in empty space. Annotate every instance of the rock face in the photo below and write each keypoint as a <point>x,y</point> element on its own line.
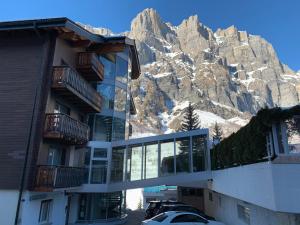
<point>228,74</point>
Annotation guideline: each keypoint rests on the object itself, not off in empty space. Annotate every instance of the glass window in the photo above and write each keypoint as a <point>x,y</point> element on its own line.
<point>56,156</point>
<point>198,151</point>
<point>279,137</point>
<point>109,63</point>
<point>293,134</point>
<point>98,173</point>
<point>100,152</point>
<point>87,158</point>
<point>151,160</point>
<point>98,206</point>
<point>45,211</point>
<point>182,154</point>
<point>120,100</point>
<point>60,108</point>
<point>160,217</point>
<point>107,92</point>
<point>122,66</point>
<point>118,164</point>
<point>119,129</point>
<point>167,157</point>
<point>103,128</point>
<point>136,162</point>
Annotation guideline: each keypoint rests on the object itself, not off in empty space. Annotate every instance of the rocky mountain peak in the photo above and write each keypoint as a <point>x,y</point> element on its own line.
<point>149,21</point>
<point>228,75</point>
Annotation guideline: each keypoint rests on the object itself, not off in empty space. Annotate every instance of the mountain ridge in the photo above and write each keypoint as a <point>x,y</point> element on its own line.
<point>227,74</point>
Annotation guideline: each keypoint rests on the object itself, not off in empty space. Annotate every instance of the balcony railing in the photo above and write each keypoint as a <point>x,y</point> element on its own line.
<point>53,177</point>
<point>70,85</point>
<point>65,129</point>
<point>89,65</point>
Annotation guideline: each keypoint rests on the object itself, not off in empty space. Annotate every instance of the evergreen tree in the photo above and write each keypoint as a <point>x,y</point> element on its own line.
<point>217,133</point>
<point>190,119</point>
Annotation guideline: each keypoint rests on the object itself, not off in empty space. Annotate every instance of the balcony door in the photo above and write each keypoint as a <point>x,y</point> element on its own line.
<point>56,156</point>
<point>60,108</point>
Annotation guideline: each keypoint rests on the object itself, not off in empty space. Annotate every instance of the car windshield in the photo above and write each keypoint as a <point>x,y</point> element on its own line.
<point>160,217</point>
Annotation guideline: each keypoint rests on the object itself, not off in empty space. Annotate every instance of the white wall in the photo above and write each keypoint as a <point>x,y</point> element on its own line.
<point>272,186</point>
<point>31,208</point>
<point>224,208</point>
<point>8,206</point>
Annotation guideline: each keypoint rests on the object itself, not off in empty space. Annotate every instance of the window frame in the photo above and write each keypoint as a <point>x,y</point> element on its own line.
<point>45,205</point>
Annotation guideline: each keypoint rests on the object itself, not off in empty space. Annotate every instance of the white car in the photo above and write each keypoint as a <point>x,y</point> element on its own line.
<point>179,218</point>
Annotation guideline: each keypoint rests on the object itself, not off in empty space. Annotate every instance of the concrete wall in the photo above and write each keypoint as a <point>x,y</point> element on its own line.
<point>272,186</point>
<point>224,208</point>
<point>8,206</point>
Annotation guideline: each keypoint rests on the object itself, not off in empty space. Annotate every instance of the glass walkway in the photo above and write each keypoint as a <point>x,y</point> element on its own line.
<point>170,159</point>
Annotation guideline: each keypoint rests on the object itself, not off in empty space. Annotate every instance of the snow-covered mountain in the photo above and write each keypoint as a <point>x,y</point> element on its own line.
<point>228,74</point>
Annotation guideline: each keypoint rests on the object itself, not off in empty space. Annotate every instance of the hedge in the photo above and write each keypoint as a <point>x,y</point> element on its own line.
<point>248,145</point>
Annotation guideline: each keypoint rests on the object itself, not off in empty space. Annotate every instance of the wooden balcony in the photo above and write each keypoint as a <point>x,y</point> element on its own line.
<point>71,86</point>
<point>65,129</point>
<point>49,178</point>
<point>90,66</point>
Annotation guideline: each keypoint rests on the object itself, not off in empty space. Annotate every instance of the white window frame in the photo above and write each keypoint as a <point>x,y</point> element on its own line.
<point>45,205</point>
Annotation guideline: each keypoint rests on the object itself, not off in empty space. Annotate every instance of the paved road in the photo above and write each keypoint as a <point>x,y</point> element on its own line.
<point>135,217</point>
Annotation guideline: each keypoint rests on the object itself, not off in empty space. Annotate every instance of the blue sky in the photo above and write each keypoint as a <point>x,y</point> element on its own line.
<point>278,21</point>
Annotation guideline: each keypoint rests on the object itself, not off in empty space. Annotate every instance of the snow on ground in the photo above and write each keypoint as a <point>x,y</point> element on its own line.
<point>208,119</point>
<point>238,121</point>
<point>222,105</point>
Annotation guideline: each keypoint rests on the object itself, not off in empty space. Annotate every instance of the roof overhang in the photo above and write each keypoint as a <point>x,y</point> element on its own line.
<point>77,36</point>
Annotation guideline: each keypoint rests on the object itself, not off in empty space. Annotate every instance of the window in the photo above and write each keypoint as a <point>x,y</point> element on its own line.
<point>60,108</point>
<point>45,211</point>
<point>100,152</point>
<point>188,218</point>
<point>182,155</point>
<point>167,157</point>
<point>98,173</point>
<point>243,213</point>
<point>160,217</point>
<point>210,196</point>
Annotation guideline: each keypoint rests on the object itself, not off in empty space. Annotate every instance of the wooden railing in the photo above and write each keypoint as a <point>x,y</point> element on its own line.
<point>63,127</point>
<point>90,66</point>
<point>51,177</point>
<point>64,76</point>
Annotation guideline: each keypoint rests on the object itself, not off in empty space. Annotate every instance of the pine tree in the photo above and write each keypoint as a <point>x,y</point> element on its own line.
<point>190,119</point>
<point>217,133</point>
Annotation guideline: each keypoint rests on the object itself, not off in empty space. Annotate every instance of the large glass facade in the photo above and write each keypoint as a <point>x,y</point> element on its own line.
<point>182,154</point>
<point>110,124</point>
<point>117,164</point>
<point>101,206</point>
<point>122,66</point>
<point>151,160</point>
<point>167,157</point>
<point>107,92</point>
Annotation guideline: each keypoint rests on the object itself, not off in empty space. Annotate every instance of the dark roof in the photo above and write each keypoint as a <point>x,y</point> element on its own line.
<point>66,25</point>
